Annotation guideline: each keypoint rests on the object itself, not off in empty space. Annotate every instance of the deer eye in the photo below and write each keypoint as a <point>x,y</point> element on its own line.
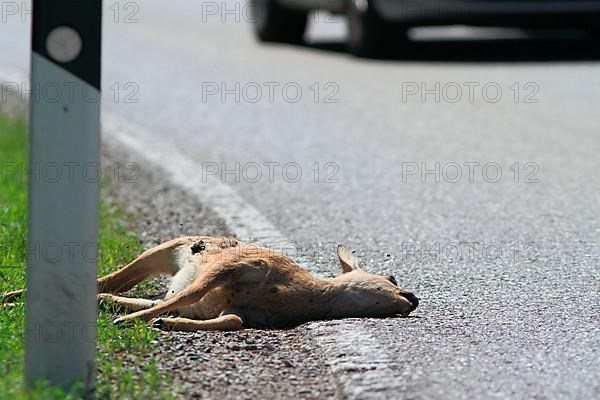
<point>392,279</point>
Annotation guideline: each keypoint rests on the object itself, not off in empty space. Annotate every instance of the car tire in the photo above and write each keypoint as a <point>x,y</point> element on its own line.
<point>369,35</point>
<point>277,23</point>
<point>592,34</point>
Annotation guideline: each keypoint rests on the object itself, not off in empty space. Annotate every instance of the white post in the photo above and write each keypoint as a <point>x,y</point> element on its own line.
<point>64,176</point>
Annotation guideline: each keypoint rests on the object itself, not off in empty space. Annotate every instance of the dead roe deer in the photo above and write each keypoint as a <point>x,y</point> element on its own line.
<point>220,283</point>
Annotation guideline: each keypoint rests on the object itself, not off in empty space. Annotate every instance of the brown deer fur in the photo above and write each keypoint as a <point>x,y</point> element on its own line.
<point>220,283</point>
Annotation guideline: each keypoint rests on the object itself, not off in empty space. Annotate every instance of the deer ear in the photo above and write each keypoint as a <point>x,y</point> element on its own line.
<point>348,260</point>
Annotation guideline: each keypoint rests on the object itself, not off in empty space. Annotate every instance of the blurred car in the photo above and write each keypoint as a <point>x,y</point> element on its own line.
<point>374,25</point>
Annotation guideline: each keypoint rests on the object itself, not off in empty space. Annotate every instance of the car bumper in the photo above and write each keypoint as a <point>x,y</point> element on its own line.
<point>500,12</point>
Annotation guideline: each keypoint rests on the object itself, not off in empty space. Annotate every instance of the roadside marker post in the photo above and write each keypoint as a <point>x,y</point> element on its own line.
<point>64,180</point>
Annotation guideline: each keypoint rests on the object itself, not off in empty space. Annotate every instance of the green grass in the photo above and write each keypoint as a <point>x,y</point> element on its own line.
<point>116,379</point>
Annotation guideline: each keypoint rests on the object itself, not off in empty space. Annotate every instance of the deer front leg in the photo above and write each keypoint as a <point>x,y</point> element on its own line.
<point>209,280</point>
<point>130,303</point>
<point>10,297</point>
<point>229,322</point>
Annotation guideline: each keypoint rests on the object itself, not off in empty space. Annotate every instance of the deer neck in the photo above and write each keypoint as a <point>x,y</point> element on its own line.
<point>338,299</point>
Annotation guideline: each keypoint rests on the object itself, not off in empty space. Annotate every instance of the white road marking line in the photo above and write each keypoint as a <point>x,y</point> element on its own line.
<point>241,217</point>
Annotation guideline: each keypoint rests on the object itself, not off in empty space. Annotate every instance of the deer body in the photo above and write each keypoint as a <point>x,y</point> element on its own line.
<point>220,283</point>
<point>267,289</point>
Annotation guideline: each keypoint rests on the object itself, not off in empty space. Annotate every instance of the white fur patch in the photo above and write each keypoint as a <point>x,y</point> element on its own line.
<point>188,270</point>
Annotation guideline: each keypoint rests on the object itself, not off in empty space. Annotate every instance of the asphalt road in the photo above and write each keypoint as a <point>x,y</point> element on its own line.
<point>409,153</point>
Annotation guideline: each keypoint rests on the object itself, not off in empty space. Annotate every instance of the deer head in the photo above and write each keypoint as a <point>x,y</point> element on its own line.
<point>361,294</point>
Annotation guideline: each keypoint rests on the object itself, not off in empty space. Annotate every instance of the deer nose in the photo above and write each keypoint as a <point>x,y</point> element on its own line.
<point>414,300</point>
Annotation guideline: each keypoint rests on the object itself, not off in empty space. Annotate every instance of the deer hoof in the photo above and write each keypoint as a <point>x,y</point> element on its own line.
<point>158,323</point>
